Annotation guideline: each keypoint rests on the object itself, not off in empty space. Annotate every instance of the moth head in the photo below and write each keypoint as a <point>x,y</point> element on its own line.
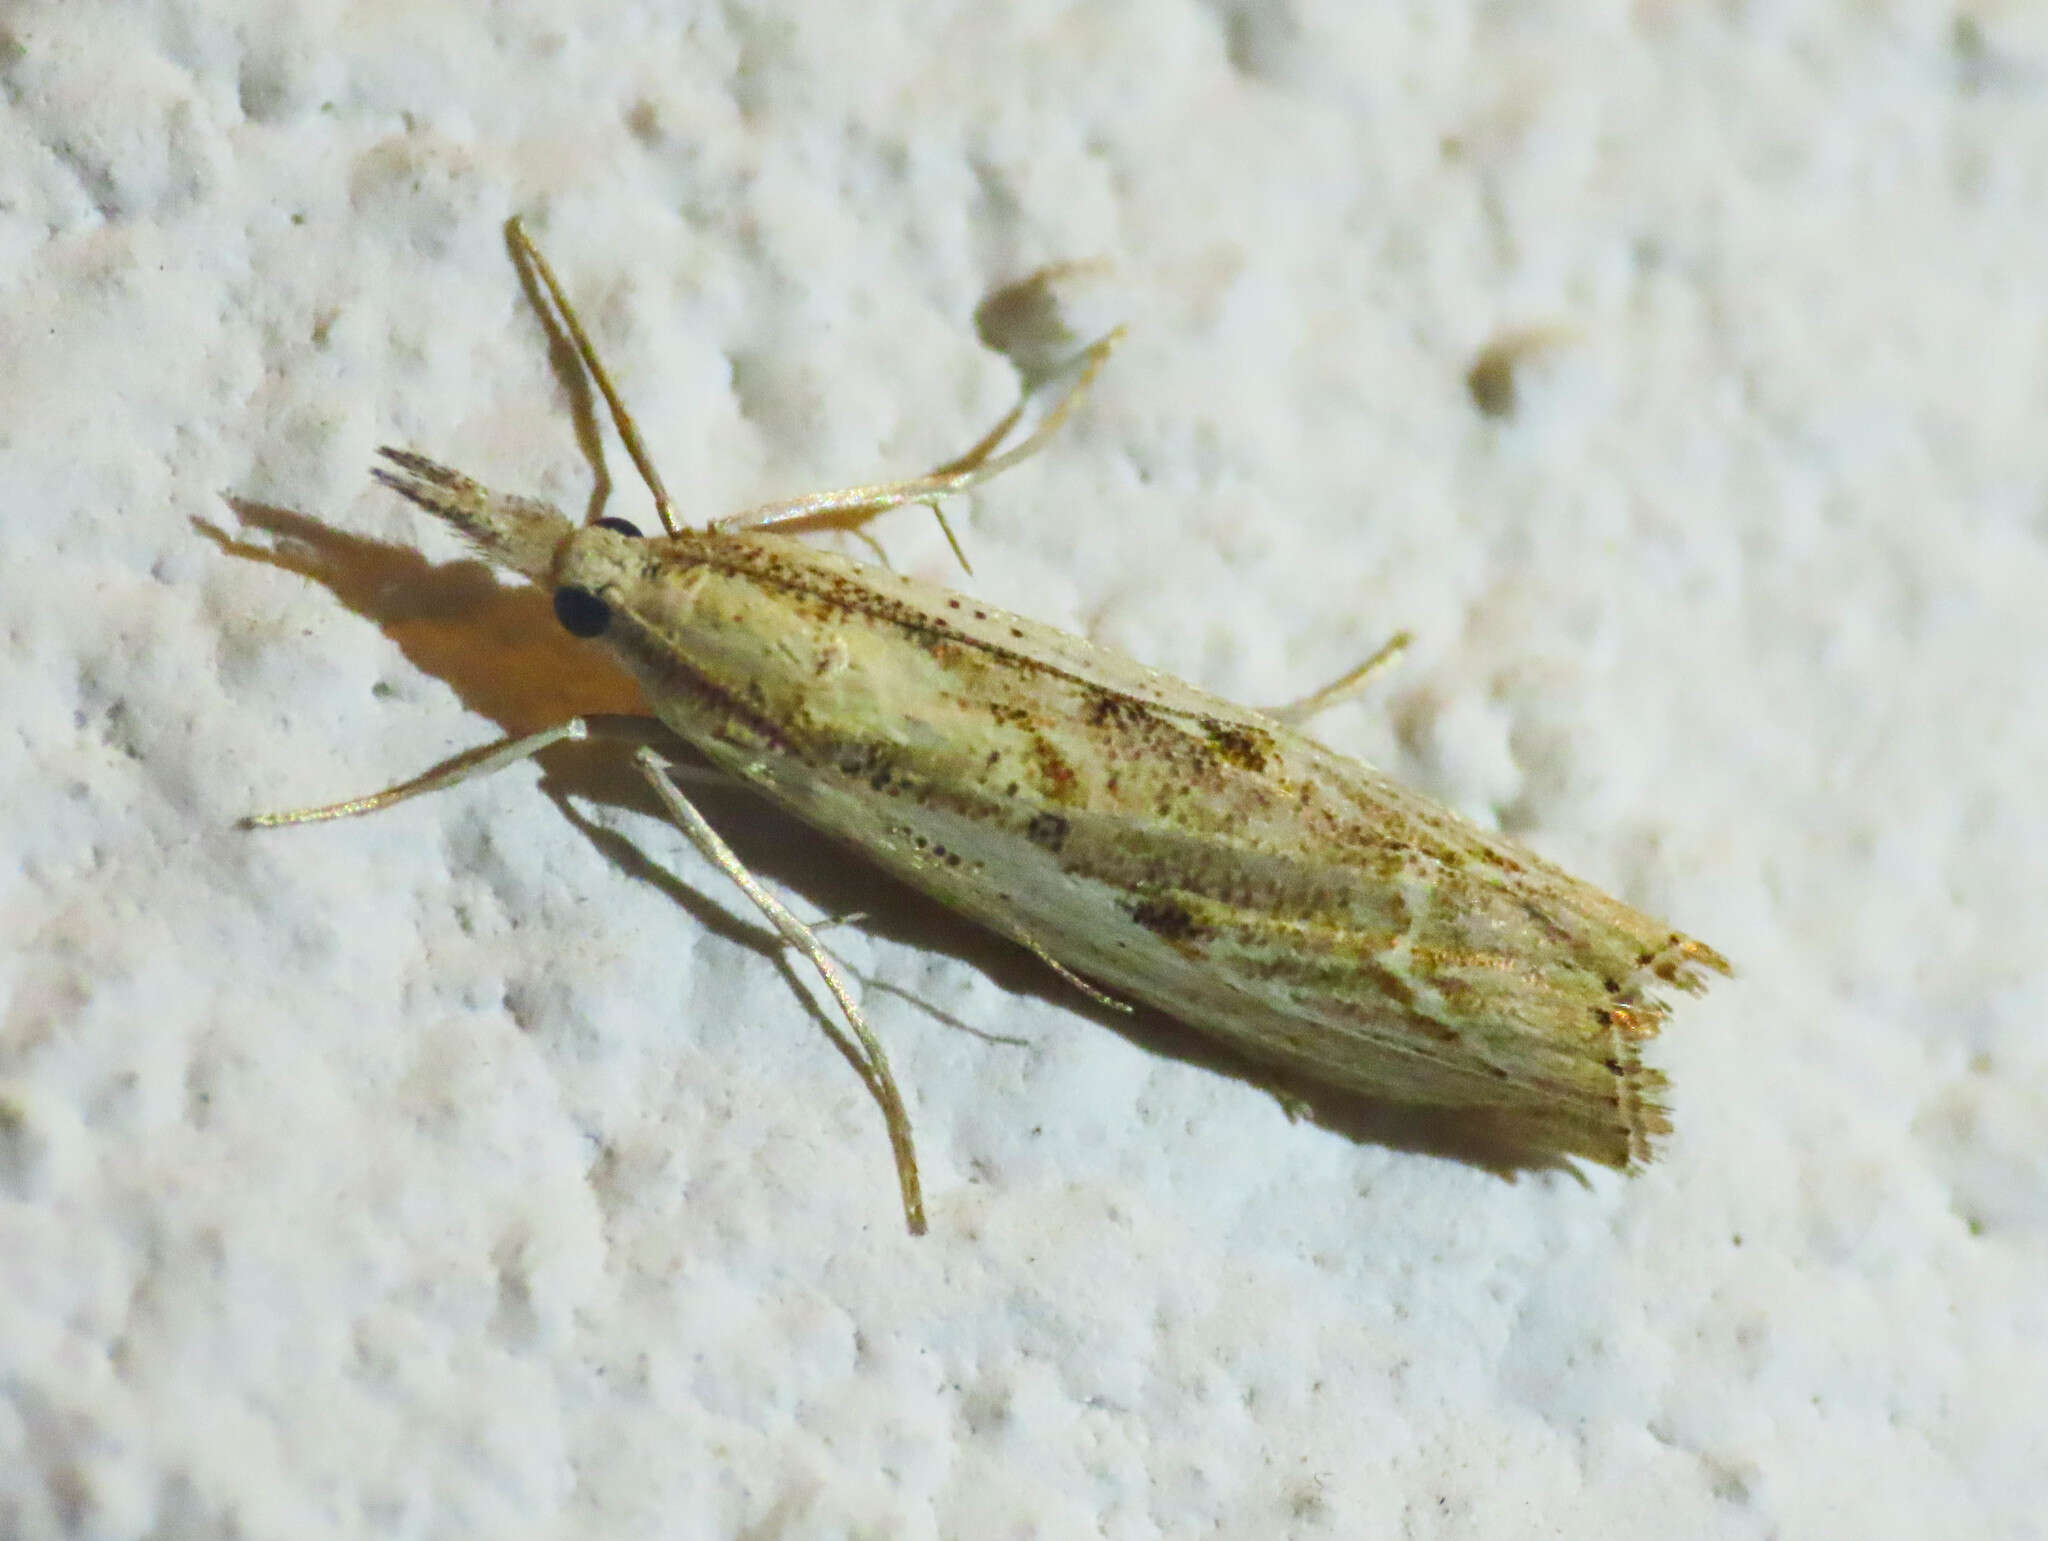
<point>524,534</point>
<point>580,604</point>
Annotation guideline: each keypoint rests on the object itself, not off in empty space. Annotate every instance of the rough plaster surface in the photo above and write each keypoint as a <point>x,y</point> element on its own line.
<point>473,1170</point>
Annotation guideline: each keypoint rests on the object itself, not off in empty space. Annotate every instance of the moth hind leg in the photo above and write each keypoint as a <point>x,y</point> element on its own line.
<point>1350,683</point>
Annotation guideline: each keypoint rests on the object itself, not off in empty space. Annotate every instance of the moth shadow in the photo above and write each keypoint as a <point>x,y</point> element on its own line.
<point>497,646</point>
<point>502,652</point>
<point>1472,1136</point>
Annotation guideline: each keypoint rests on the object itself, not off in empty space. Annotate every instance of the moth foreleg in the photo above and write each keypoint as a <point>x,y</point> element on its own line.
<point>471,763</point>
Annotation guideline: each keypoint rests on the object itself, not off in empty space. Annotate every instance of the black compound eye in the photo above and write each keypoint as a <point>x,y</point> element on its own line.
<point>581,612</point>
<point>622,526</point>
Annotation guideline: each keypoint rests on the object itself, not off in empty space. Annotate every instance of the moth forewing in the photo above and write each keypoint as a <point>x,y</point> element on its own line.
<point>1175,848</point>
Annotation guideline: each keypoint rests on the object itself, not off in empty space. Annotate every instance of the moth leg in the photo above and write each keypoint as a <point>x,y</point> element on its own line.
<point>846,507</point>
<point>1294,713</point>
<point>849,507</point>
<point>1025,940</point>
<point>480,761</point>
<point>622,419</point>
<point>800,936</point>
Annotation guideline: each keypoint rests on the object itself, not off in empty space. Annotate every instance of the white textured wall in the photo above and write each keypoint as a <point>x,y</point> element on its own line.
<point>472,1170</point>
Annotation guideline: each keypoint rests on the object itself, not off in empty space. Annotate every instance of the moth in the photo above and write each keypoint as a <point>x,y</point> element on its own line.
<point>1154,844</point>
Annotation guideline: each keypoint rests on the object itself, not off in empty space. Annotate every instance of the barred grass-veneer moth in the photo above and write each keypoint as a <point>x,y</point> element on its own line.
<point>1151,842</point>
